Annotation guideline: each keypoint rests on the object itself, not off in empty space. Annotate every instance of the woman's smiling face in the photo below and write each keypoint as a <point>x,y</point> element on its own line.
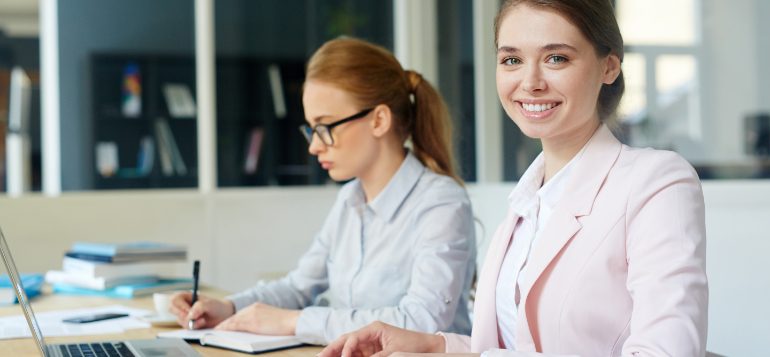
<point>549,75</point>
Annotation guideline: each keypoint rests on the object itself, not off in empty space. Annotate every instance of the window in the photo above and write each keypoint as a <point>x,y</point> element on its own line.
<point>696,83</point>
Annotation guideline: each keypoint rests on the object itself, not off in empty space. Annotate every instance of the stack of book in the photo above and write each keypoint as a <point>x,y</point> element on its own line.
<point>119,270</point>
<point>32,284</point>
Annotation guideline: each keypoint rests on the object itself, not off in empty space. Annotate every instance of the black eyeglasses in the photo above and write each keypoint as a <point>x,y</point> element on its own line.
<point>324,131</point>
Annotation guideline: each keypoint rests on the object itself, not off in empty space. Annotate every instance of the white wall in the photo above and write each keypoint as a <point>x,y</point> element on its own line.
<point>729,75</point>
<point>245,234</point>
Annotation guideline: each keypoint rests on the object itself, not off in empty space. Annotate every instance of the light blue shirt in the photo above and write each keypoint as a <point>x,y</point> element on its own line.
<point>407,258</point>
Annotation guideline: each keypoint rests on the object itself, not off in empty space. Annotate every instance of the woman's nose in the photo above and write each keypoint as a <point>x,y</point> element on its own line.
<point>533,79</point>
<point>316,145</point>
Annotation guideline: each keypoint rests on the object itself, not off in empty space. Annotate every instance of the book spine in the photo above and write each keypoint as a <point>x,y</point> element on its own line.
<point>252,152</point>
<point>94,248</point>
<point>56,276</point>
<point>176,155</point>
<point>59,288</point>
<point>164,150</point>
<point>92,269</point>
<point>129,257</point>
<point>91,257</point>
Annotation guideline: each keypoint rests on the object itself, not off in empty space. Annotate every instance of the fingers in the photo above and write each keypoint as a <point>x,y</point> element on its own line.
<point>350,346</point>
<point>180,303</point>
<point>197,310</point>
<point>200,323</point>
<point>366,348</point>
<point>334,349</point>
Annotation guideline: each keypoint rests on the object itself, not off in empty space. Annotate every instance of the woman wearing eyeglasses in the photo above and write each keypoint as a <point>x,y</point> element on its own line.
<point>398,244</point>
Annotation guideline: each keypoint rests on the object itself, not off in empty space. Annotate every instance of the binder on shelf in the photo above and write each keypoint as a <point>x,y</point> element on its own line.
<point>276,89</point>
<point>179,100</point>
<point>107,158</point>
<point>18,147</point>
<point>132,91</point>
<point>164,151</point>
<point>170,156</point>
<point>252,151</point>
<point>146,156</point>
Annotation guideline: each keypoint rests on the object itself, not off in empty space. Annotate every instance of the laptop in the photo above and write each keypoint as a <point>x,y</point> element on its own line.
<point>138,348</point>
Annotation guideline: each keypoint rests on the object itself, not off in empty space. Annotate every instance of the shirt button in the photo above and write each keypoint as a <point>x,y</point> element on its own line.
<point>447,301</point>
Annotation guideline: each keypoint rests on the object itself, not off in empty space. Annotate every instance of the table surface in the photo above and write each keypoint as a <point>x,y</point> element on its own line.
<point>49,302</point>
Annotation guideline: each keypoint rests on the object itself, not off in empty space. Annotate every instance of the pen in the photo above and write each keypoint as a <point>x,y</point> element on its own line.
<point>196,268</point>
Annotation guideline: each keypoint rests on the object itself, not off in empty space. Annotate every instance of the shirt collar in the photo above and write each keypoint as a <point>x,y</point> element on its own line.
<point>550,193</point>
<point>522,199</point>
<point>530,191</point>
<point>388,201</point>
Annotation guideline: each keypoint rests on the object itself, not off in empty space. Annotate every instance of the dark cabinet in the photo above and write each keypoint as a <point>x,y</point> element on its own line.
<point>259,108</point>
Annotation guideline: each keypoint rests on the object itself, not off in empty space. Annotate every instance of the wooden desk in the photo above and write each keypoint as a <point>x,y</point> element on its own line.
<point>48,302</point>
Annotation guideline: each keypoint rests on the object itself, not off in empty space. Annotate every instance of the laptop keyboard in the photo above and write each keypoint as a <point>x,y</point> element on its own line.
<point>117,349</point>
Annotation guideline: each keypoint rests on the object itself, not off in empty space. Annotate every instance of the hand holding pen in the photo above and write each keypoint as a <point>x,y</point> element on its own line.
<point>196,271</point>
<point>195,311</point>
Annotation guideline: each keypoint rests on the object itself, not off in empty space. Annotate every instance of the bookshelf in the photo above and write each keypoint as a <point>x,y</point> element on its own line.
<point>257,138</point>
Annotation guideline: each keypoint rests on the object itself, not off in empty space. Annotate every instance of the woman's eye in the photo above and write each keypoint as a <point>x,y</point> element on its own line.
<point>556,59</point>
<point>509,61</point>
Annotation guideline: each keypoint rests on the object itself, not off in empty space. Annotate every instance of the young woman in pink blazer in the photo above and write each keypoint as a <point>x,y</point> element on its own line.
<point>602,252</point>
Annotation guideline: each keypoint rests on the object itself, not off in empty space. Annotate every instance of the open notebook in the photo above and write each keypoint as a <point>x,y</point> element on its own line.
<point>233,340</point>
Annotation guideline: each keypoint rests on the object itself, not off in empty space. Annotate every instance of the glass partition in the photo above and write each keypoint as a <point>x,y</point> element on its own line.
<point>262,48</point>
<point>695,84</point>
<point>695,79</point>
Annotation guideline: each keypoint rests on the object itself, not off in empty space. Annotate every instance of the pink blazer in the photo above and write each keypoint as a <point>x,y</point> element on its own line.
<point>620,268</point>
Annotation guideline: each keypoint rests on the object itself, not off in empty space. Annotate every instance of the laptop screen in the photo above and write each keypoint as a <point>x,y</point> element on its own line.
<point>13,273</point>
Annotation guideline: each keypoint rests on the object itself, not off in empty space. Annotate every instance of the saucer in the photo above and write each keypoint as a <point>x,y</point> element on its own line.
<point>161,320</point>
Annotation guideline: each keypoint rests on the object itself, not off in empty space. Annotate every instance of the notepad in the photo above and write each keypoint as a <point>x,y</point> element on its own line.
<point>234,340</point>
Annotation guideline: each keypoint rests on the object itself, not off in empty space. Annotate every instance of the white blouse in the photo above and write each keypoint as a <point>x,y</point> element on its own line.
<point>534,202</point>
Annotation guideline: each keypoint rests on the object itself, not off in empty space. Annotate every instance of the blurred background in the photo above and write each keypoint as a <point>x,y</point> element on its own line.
<point>106,96</point>
<point>694,73</point>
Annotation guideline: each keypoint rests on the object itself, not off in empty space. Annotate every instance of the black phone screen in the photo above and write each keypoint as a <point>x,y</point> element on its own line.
<point>93,318</point>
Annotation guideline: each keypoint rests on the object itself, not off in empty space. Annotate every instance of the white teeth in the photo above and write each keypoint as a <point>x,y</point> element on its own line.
<point>537,107</point>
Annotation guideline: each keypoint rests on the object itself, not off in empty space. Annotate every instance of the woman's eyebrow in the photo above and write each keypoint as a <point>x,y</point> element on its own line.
<point>558,46</point>
<point>548,47</point>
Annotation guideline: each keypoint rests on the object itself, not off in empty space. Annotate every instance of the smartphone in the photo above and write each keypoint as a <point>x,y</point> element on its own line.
<point>93,318</point>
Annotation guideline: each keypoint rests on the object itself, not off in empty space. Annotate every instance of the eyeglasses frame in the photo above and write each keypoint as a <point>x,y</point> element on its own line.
<point>308,131</point>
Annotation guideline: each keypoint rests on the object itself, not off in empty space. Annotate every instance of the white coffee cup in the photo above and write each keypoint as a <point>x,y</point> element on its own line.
<point>162,303</point>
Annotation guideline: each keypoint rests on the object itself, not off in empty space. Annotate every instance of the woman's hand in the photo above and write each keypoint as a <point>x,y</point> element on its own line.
<point>206,312</point>
<point>262,319</point>
<point>380,339</point>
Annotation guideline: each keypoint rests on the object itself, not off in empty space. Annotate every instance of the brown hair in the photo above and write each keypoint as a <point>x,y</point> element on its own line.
<point>374,76</point>
<point>596,21</point>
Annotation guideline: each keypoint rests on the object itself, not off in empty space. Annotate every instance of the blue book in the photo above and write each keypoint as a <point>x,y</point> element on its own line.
<point>132,248</point>
<point>32,284</point>
<point>123,258</point>
<point>126,291</point>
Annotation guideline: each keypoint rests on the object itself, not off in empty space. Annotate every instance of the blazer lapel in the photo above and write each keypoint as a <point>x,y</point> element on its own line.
<point>580,192</point>
<point>485,333</point>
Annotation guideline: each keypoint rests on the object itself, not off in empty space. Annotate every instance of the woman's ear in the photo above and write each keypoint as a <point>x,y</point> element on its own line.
<point>382,121</point>
<point>612,69</point>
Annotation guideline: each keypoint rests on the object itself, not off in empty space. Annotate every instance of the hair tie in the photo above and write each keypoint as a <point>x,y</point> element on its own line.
<point>415,79</point>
